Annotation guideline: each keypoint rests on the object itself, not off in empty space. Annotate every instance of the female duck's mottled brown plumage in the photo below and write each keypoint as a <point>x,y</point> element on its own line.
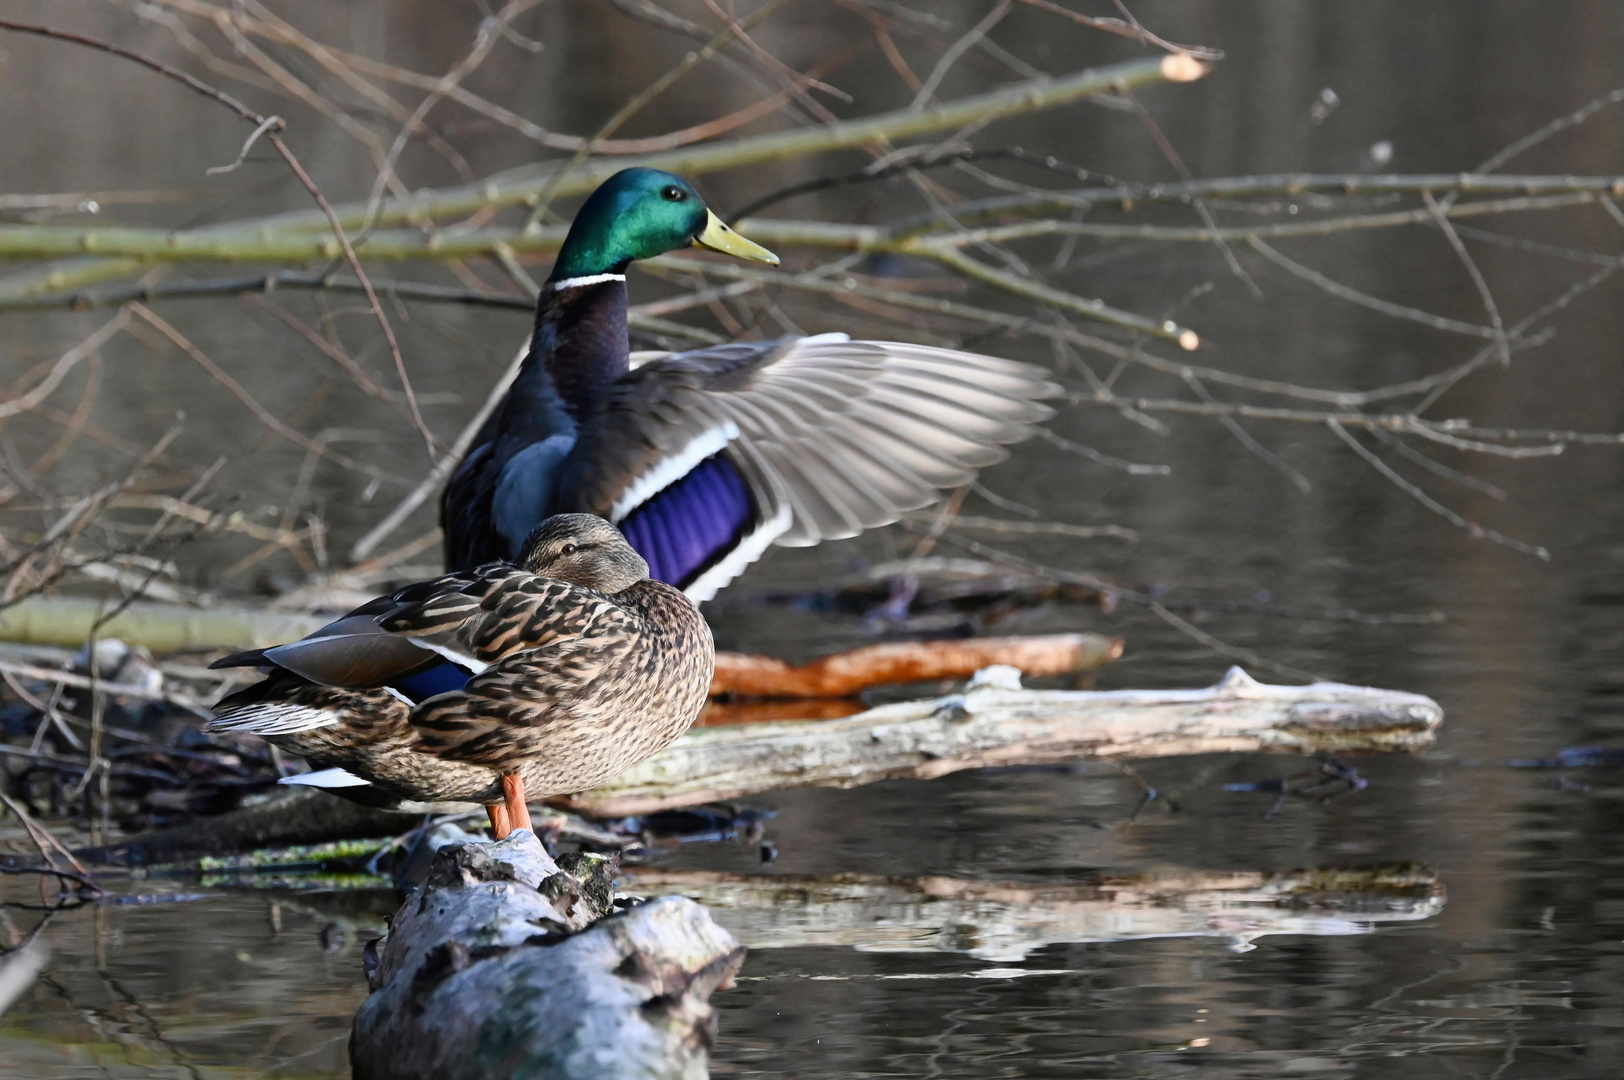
<point>581,667</point>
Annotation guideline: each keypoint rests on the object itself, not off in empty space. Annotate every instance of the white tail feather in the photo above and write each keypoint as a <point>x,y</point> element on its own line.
<point>326,778</point>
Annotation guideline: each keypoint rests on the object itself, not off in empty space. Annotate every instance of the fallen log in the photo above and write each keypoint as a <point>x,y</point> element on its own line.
<point>996,722</point>
<point>854,670</point>
<point>304,817</point>
<point>68,621</point>
<point>502,964</point>
<point>722,711</point>
<point>1005,921</point>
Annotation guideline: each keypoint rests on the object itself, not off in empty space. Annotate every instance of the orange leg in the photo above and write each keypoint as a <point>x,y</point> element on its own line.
<point>501,823</point>
<point>518,811</point>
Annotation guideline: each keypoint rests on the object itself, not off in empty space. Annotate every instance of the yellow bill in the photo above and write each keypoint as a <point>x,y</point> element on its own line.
<point>718,237</point>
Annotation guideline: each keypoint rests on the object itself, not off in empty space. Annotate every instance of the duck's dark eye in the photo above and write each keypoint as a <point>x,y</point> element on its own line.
<point>569,549</point>
<point>673,193</point>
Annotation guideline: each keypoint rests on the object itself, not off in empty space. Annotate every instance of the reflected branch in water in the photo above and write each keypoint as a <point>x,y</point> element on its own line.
<point>1009,920</point>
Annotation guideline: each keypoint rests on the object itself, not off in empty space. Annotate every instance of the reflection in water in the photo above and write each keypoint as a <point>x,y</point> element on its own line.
<point>1519,976</point>
<point>220,987</point>
<point>1010,920</point>
<point>233,984</point>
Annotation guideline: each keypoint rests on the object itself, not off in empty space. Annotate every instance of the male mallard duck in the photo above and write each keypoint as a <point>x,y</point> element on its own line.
<point>544,678</point>
<point>704,458</point>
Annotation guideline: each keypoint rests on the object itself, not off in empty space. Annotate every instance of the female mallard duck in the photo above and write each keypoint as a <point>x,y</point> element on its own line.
<point>544,678</point>
<point>705,458</point>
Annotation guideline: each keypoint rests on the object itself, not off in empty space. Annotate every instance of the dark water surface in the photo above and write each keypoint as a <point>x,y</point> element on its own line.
<point>1510,964</point>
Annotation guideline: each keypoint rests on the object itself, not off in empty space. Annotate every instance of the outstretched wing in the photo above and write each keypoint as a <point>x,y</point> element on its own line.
<point>804,439</point>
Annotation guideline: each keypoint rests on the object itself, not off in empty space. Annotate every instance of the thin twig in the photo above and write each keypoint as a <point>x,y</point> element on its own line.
<point>270,129</point>
<point>270,123</point>
<point>1175,159</point>
<point>47,386</point>
<point>265,416</point>
<point>1458,433</point>
<point>489,32</point>
<point>43,840</point>
<point>1270,458</point>
<point>640,100</point>
<point>1033,528</point>
<point>1386,307</point>
<point>1099,457</point>
<point>443,468</point>
<point>1471,528</point>
<point>1234,652</point>
<point>980,30</point>
<point>1502,342</point>
<point>1126,29</point>
<point>85,682</point>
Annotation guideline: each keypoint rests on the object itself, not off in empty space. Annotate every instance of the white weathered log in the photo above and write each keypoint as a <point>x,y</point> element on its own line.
<point>1005,921</point>
<point>996,722</point>
<point>485,975</point>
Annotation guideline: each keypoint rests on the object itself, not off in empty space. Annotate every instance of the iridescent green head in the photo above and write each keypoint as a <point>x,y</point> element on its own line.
<point>641,213</point>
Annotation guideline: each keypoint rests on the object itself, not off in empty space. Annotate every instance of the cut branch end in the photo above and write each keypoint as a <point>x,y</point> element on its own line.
<point>1182,68</point>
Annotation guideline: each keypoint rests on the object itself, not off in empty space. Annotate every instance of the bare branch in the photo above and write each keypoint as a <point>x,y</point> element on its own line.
<point>1472,529</point>
<point>265,417</point>
<point>260,122</point>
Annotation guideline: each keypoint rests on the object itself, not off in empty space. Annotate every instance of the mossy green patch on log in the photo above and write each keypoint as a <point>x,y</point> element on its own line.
<point>68,621</point>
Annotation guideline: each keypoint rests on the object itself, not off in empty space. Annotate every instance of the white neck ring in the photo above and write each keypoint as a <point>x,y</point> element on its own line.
<point>589,279</point>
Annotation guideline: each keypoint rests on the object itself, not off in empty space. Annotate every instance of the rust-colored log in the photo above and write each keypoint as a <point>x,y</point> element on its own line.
<point>846,673</point>
<point>759,711</point>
